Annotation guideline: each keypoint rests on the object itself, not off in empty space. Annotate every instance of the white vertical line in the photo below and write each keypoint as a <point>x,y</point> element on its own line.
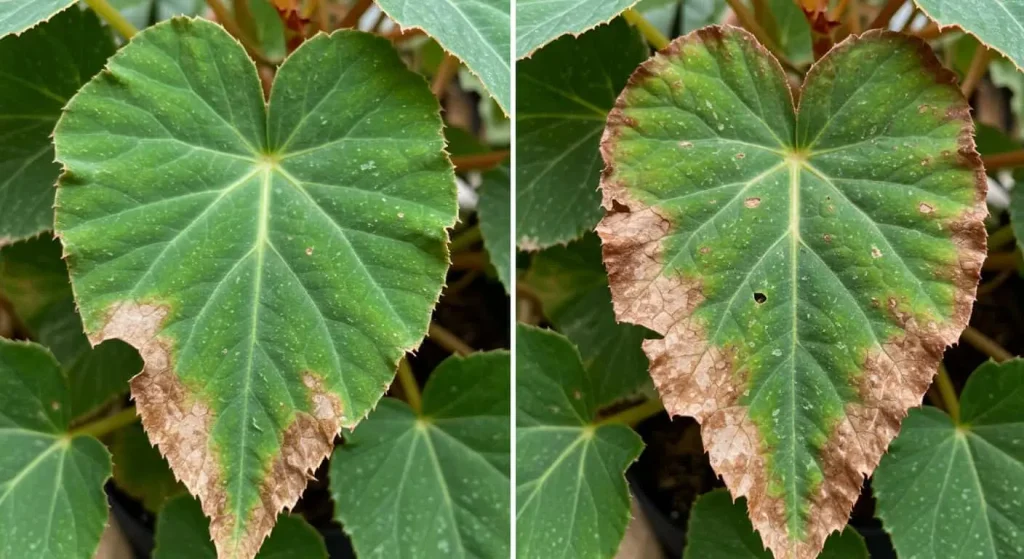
<point>513,279</point>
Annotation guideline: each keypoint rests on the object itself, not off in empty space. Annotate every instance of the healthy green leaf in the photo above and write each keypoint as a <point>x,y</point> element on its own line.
<point>182,531</point>
<point>35,280</point>
<point>476,31</point>
<point>434,483</point>
<point>494,209</point>
<point>573,289</point>
<point>949,489</point>
<point>806,267</point>
<point>997,23</point>
<point>271,264</point>
<point>719,529</point>
<point>18,15</point>
<point>564,94</point>
<point>42,69</point>
<point>571,494</point>
<point>141,472</point>
<point>788,26</point>
<point>538,22</point>
<point>52,503</point>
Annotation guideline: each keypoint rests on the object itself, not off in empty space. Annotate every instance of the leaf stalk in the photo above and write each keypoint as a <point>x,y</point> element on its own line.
<point>635,415</point>
<point>649,31</point>
<point>480,161</point>
<point>113,18</point>
<point>409,386</point>
<point>106,425</point>
<point>446,339</point>
<point>985,344</point>
<point>948,393</point>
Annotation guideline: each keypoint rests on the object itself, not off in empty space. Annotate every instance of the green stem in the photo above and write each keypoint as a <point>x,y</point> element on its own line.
<point>465,239</point>
<point>409,386</point>
<point>109,424</point>
<point>446,339</point>
<point>1000,237</point>
<point>635,415</point>
<point>948,393</point>
<point>113,17</point>
<point>985,344</point>
<point>650,32</point>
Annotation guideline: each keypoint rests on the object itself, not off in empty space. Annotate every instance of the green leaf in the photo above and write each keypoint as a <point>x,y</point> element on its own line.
<point>18,15</point>
<point>183,531</point>
<point>494,209</point>
<point>475,31</point>
<point>719,529</point>
<point>140,471</point>
<point>436,483</point>
<point>806,267</point>
<point>271,263</point>
<point>538,22</point>
<point>564,93</point>
<point>571,494</point>
<point>573,289</point>
<point>42,69</point>
<point>141,13</point>
<point>997,23</point>
<point>35,280</point>
<point>950,490</point>
<point>787,25</point>
<point>52,503</point>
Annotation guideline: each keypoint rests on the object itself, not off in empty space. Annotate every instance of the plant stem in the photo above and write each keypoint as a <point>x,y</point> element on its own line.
<point>479,161</point>
<point>997,261</point>
<point>113,17</point>
<point>1001,160</point>
<point>109,424</point>
<point>994,283</point>
<point>409,386</point>
<point>444,338</point>
<point>1002,236</point>
<point>883,17</point>
<point>650,32</point>
<point>466,239</point>
<point>445,72</point>
<point>928,32</point>
<point>979,65</point>
<point>635,415</point>
<point>948,393</point>
<point>470,261</point>
<point>351,18</point>
<point>985,344</point>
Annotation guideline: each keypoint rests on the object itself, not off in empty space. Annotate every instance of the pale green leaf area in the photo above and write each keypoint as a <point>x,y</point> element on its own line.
<point>39,71</point>
<point>52,504</point>
<point>571,494</point>
<point>34,279</point>
<point>494,210</point>
<point>143,12</point>
<point>434,483</point>
<point>182,532</point>
<point>997,23</point>
<point>287,255</point>
<point>572,285</point>
<point>564,94</point>
<point>18,15</point>
<point>948,489</point>
<point>475,31</point>
<point>538,22</point>
<point>140,470</point>
<point>719,529</point>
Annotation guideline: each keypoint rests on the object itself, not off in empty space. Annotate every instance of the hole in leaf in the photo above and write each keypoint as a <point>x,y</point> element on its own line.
<point>760,298</point>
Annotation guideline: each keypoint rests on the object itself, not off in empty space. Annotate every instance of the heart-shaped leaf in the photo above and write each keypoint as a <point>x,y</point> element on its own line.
<point>434,483</point>
<point>538,22</point>
<point>51,483</point>
<point>18,15</point>
<point>997,23</point>
<point>271,264</point>
<point>42,69</point>
<point>571,494</point>
<point>493,210</point>
<point>807,267</point>
<point>954,489</point>
<point>476,31</point>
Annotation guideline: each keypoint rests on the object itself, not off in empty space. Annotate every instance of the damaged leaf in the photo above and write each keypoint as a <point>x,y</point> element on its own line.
<point>18,15</point>
<point>571,493</point>
<point>954,489</point>
<point>271,264</point>
<point>51,483</point>
<point>997,23</point>
<point>493,211</point>
<point>42,69</point>
<point>434,483</point>
<point>807,267</point>
<point>538,22</point>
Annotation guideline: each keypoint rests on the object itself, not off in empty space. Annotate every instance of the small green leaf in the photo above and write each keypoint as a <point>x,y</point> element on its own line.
<point>52,503</point>
<point>949,490</point>
<point>140,471</point>
<point>538,22</point>
<point>182,531</point>
<point>476,31</point>
<point>18,15</point>
<point>719,529</point>
<point>564,94</point>
<point>997,23</point>
<point>571,494</point>
<point>271,262</point>
<point>433,484</point>
<point>42,69</point>
<point>493,210</point>
<point>806,266</point>
<point>573,289</point>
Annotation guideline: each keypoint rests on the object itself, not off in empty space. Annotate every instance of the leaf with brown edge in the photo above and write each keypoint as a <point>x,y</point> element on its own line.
<point>806,266</point>
<point>270,261</point>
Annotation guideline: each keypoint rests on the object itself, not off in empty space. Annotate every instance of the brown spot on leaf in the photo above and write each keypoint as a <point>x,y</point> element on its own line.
<point>875,253</point>
<point>705,250</point>
<point>827,238</point>
<point>752,202</point>
<point>309,251</point>
<point>925,208</point>
<point>686,145</point>
<point>740,155</point>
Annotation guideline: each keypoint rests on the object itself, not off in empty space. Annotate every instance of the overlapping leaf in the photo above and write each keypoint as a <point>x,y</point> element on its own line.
<point>564,94</point>
<point>51,483</point>
<point>806,267</point>
<point>953,489</point>
<point>41,70</point>
<point>495,209</point>
<point>18,15</point>
<point>271,264</point>
<point>571,494</point>
<point>538,22</point>
<point>997,23</point>
<point>434,483</point>
<point>476,31</point>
